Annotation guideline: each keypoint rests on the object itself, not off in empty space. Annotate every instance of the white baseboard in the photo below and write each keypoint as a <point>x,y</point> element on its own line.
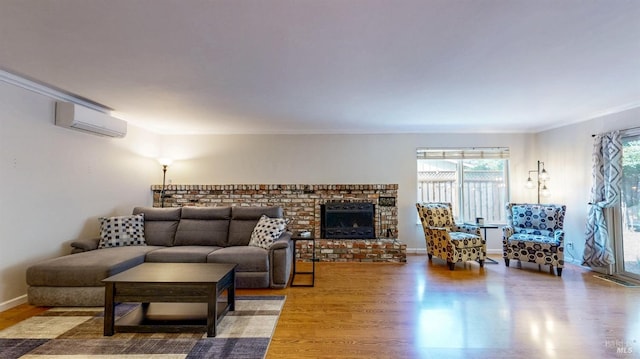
<point>416,251</point>
<point>13,303</point>
<point>573,261</point>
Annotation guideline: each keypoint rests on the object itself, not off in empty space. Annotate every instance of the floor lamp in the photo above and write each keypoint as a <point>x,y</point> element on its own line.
<point>165,162</point>
<point>543,177</point>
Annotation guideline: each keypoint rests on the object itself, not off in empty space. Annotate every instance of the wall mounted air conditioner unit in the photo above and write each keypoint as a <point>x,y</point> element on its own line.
<point>77,117</point>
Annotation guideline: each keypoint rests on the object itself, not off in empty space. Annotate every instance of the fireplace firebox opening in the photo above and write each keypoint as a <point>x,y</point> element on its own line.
<point>347,220</point>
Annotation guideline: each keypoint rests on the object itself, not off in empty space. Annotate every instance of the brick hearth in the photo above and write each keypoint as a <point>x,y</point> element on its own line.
<point>301,204</point>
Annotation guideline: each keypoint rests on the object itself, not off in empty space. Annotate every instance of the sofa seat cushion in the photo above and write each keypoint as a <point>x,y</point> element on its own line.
<point>465,240</point>
<point>248,259</point>
<point>181,254</point>
<point>530,239</point>
<point>86,269</point>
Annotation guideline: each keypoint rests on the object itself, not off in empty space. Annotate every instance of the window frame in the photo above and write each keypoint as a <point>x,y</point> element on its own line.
<point>459,156</point>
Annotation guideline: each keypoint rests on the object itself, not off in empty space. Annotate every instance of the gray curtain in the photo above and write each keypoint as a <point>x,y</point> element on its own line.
<point>605,192</point>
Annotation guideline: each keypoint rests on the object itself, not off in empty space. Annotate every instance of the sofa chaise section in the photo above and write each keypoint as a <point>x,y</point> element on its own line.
<point>76,279</point>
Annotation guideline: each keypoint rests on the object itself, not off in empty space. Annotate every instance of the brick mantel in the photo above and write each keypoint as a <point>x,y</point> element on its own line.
<point>301,204</point>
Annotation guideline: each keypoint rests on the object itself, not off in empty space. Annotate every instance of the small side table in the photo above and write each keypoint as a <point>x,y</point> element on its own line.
<point>295,240</point>
<point>484,228</point>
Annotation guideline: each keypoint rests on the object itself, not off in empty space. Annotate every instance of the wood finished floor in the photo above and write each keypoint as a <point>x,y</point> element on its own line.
<point>422,310</point>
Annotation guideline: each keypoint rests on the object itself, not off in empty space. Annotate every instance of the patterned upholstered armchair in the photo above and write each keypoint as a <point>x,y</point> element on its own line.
<point>534,234</point>
<point>448,240</point>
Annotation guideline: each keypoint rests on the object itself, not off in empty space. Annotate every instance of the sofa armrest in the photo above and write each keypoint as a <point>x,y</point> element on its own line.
<point>467,228</point>
<point>558,235</point>
<point>84,245</point>
<point>280,261</point>
<point>508,231</point>
<point>282,242</point>
<point>439,236</point>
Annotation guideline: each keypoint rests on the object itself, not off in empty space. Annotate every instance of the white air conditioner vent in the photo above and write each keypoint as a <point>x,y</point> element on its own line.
<point>70,115</point>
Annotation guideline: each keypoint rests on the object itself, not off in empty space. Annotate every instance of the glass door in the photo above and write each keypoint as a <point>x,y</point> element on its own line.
<point>628,252</point>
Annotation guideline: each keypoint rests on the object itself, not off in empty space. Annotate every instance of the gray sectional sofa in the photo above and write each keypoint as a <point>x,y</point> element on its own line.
<point>186,234</point>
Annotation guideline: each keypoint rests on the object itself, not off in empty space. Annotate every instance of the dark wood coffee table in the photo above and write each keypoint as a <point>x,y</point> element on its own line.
<point>154,284</point>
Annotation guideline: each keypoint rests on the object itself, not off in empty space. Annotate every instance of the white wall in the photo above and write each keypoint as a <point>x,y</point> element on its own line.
<point>55,182</point>
<point>566,152</point>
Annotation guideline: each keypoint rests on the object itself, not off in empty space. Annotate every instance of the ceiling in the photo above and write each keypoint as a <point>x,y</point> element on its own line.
<point>333,66</point>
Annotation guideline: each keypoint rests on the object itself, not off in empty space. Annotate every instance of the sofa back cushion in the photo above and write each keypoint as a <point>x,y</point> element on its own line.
<point>160,224</point>
<point>436,214</point>
<point>203,226</point>
<point>244,220</point>
<point>538,219</point>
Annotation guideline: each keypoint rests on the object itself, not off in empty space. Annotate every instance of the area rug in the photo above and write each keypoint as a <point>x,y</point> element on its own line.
<point>77,333</point>
<point>617,281</point>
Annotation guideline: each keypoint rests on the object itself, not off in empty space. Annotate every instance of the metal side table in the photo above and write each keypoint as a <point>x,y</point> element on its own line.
<point>484,228</point>
<point>295,240</point>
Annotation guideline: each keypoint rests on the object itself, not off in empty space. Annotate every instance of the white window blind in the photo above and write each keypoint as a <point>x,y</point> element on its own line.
<point>472,153</point>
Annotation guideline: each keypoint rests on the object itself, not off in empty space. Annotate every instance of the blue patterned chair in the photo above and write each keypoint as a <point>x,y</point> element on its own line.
<point>534,234</point>
<point>448,240</point>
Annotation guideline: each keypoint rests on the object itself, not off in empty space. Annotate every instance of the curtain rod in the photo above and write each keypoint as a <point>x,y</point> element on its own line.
<point>626,130</point>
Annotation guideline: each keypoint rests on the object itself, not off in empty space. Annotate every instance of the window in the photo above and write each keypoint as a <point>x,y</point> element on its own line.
<point>627,249</point>
<point>474,180</point>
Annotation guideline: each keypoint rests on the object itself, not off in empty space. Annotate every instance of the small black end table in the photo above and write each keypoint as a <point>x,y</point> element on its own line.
<point>295,240</point>
<point>484,228</point>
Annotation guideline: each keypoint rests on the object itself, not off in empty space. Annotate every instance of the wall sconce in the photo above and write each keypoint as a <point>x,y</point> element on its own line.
<point>543,177</point>
<point>165,162</point>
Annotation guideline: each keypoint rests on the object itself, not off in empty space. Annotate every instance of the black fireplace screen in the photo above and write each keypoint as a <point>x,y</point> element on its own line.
<point>347,220</point>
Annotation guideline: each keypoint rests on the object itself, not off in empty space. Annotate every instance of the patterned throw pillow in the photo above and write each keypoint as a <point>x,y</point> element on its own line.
<point>122,231</point>
<point>267,231</point>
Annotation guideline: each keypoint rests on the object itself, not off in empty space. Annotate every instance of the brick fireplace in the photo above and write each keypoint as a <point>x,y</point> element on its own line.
<point>303,205</point>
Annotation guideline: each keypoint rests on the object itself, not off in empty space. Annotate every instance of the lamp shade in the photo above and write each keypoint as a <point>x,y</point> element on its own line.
<point>544,175</point>
<point>165,161</point>
<point>544,192</point>
<point>529,183</point>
